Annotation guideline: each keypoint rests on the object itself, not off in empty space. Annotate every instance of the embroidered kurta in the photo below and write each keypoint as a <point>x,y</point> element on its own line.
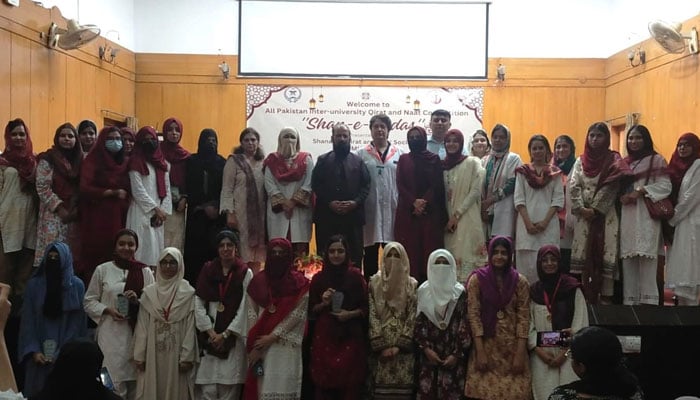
<point>498,383</point>
<point>162,345</point>
<point>682,264</point>
<point>497,177</point>
<point>544,377</point>
<point>298,227</point>
<point>463,196</point>
<point>50,227</point>
<point>391,379</point>
<point>234,199</point>
<point>438,383</point>
<point>114,337</point>
<point>583,194</point>
<point>282,360</point>
<point>144,192</point>
<point>380,204</point>
<point>232,370</point>
<point>642,234</point>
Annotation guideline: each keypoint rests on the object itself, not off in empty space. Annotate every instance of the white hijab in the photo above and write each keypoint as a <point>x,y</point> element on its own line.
<point>170,293</point>
<point>288,148</point>
<point>438,295</point>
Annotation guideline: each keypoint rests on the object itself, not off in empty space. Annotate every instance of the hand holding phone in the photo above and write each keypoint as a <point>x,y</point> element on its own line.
<point>553,338</point>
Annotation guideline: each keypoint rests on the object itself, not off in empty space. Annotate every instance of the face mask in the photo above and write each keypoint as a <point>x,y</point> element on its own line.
<point>150,145</point>
<point>113,145</point>
<point>341,149</point>
<point>417,145</point>
<point>390,263</point>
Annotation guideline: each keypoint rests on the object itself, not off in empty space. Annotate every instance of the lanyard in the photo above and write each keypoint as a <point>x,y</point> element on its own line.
<point>223,289</point>
<point>554,296</point>
<point>166,311</point>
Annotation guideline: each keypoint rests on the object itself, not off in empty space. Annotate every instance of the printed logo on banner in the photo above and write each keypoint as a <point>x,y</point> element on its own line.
<point>292,94</point>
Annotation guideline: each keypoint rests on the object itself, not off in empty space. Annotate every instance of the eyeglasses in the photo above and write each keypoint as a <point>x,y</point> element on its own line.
<point>165,263</point>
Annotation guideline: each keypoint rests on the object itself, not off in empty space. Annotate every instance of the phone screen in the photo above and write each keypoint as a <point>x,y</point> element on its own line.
<point>106,379</point>
<point>551,339</point>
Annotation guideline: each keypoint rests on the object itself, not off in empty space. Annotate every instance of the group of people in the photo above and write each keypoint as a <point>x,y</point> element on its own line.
<point>168,245</point>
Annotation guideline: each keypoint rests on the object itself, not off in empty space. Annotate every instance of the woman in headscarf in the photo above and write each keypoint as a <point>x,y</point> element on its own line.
<point>224,316</point>
<point>87,132</point>
<point>539,195</point>
<point>57,184</point>
<point>52,314</point>
<point>392,317</point>
<point>338,304</point>
<point>129,139</point>
<point>442,331</point>
<point>381,158</point>
<point>596,357</point>
<point>564,159</point>
<point>498,306</point>
<point>104,200</point>
<point>203,178</point>
<point>642,241</point>
<point>112,303</point>
<point>75,374</point>
<point>480,146</point>
<point>176,156</point>
<point>18,209</point>
<point>288,186</point>
<point>165,339</point>
<point>464,232</point>
<point>151,202</point>
<point>243,197</point>
<point>281,294</point>
<point>497,208</point>
<point>420,213</point>
<point>594,185</point>
<point>683,272</point>
<point>557,304</point>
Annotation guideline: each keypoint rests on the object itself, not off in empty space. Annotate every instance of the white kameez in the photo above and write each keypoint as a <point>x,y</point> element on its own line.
<point>682,271</point>
<point>113,337</point>
<point>18,213</point>
<point>537,202</point>
<point>463,196</point>
<point>144,201</point>
<point>163,344</point>
<point>642,240</point>
<point>299,226</point>
<point>544,377</point>
<point>381,203</point>
<point>503,210</point>
<point>232,370</point>
<point>282,360</point>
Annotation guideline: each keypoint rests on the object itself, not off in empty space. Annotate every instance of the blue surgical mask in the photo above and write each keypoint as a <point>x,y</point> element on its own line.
<point>113,145</point>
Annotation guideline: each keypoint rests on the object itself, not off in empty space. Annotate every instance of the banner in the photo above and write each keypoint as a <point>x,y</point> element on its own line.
<point>312,111</point>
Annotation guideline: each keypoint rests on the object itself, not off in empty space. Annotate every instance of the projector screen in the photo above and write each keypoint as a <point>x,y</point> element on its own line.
<point>366,39</point>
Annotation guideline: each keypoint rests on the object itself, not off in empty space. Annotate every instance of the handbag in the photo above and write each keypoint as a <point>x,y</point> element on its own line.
<point>661,210</point>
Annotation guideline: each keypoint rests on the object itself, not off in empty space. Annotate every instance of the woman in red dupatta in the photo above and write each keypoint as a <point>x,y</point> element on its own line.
<point>274,342</point>
<point>18,208</point>
<point>177,156</point>
<point>339,344</point>
<point>104,200</point>
<point>594,184</point>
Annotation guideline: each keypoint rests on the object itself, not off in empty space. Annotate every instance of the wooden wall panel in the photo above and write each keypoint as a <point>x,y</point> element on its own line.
<point>47,87</point>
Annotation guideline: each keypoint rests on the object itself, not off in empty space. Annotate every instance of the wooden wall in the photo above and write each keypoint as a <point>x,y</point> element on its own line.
<point>549,96</point>
<point>664,91</point>
<point>47,87</point>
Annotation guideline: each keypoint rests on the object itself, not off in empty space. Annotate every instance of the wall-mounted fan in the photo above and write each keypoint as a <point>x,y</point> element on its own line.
<point>73,37</point>
<point>669,36</point>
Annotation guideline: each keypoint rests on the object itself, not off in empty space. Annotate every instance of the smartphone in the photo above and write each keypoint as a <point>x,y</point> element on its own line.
<point>106,379</point>
<point>552,339</point>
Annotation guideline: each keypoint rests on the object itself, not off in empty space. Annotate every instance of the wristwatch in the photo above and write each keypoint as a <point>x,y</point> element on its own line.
<point>225,334</point>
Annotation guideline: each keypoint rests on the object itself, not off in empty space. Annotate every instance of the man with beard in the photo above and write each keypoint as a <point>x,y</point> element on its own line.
<point>341,182</point>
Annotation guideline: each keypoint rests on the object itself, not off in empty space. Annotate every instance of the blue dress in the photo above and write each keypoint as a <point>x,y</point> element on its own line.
<point>36,328</point>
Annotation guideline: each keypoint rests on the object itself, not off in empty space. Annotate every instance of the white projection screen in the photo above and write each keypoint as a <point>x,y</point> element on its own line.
<point>364,39</point>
